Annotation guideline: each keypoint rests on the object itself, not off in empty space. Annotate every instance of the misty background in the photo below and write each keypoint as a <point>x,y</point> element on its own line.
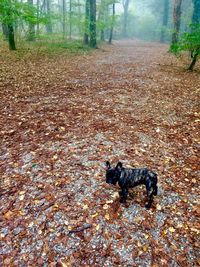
<point>93,21</point>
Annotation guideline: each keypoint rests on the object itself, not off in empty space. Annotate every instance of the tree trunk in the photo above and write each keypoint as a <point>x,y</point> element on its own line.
<point>87,17</point>
<point>165,20</point>
<point>80,18</point>
<point>5,30</point>
<point>11,37</point>
<point>38,15</point>
<point>195,20</point>
<point>177,20</point>
<point>31,26</point>
<point>49,24</point>
<point>102,36</point>
<point>194,59</point>
<point>125,20</point>
<point>92,24</point>
<point>64,17</point>
<point>101,19</point>
<point>196,12</point>
<point>112,25</point>
<point>70,19</point>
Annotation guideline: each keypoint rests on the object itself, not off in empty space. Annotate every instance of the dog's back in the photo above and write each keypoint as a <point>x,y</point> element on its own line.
<point>138,176</point>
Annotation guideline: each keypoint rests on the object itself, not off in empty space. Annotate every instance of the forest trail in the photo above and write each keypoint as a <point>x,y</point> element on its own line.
<point>61,118</point>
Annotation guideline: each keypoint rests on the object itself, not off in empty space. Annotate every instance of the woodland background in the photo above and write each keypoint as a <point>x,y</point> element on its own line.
<point>66,108</point>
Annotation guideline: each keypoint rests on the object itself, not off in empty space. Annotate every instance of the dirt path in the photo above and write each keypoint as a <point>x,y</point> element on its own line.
<point>61,119</point>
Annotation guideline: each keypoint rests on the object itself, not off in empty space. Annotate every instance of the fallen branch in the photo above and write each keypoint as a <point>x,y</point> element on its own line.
<point>81,228</point>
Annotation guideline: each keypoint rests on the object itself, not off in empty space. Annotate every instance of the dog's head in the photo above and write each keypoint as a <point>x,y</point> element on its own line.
<point>113,174</point>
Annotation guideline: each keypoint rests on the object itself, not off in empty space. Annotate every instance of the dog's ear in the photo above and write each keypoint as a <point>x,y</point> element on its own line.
<point>119,166</point>
<point>108,165</point>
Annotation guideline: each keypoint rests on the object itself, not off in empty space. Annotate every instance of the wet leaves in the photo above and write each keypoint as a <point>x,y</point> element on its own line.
<point>60,122</point>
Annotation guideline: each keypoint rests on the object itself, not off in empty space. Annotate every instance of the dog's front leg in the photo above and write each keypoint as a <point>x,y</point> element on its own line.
<point>124,194</point>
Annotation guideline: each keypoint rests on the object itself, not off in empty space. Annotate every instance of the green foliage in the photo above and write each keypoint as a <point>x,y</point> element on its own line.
<point>189,41</point>
<point>54,45</point>
<point>11,10</point>
<point>28,13</point>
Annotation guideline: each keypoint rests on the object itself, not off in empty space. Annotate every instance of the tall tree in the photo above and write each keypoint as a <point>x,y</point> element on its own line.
<point>196,12</point>
<point>38,15</point>
<point>176,20</point>
<point>125,17</point>
<point>70,19</point>
<point>195,51</point>
<point>112,23</point>
<point>31,25</point>
<point>11,36</point>
<point>87,17</point>
<point>5,30</point>
<point>101,19</point>
<point>8,11</point>
<point>165,20</point>
<point>48,10</point>
<point>92,24</point>
<point>64,17</point>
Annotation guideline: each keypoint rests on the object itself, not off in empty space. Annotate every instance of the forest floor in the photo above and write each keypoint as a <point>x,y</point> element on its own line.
<point>61,118</point>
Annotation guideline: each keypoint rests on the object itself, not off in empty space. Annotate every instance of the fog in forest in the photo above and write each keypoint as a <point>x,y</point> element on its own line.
<point>94,21</point>
<point>151,19</point>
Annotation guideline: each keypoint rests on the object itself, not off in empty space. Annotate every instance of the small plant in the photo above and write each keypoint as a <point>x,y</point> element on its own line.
<point>189,41</point>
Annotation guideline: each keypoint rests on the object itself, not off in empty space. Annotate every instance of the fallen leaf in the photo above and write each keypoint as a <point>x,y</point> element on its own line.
<point>85,207</point>
<point>21,197</point>
<point>145,248</point>
<point>107,216</point>
<point>8,215</point>
<point>158,207</point>
<point>94,215</point>
<point>171,229</point>
<point>22,192</point>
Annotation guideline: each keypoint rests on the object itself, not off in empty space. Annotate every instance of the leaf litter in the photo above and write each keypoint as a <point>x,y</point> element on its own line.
<point>61,118</point>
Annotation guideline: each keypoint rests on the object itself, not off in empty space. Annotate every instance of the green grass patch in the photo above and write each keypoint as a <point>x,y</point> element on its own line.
<point>44,45</point>
<point>56,45</point>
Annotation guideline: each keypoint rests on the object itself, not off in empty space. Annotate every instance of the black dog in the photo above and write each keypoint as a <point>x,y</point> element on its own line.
<point>128,178</point>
